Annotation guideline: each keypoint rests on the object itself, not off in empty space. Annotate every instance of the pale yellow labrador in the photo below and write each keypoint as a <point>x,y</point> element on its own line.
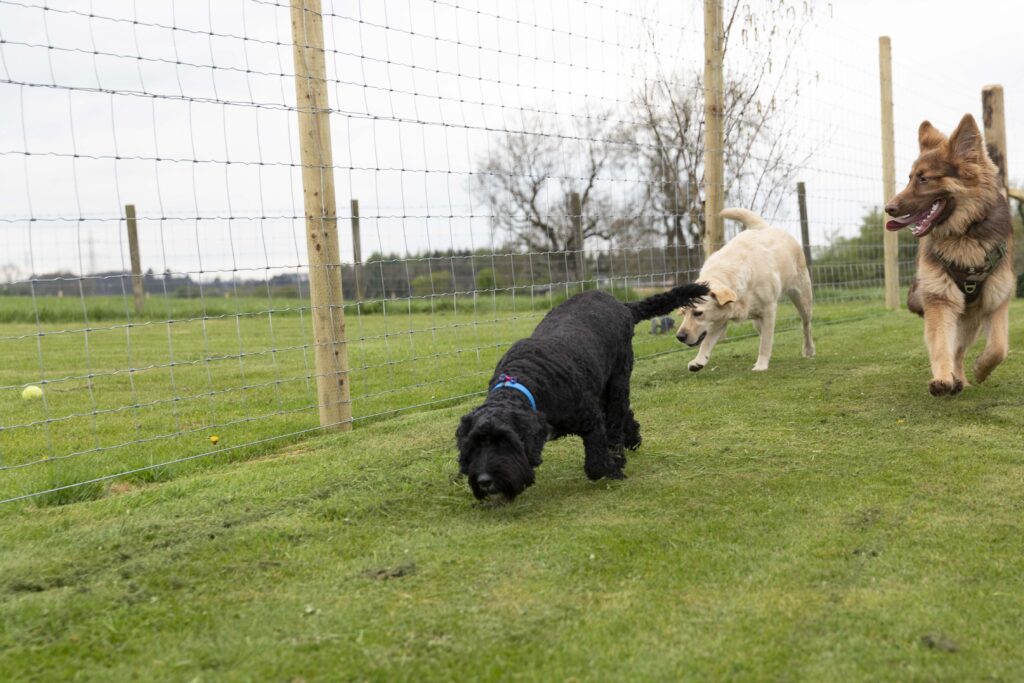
<point>747,276</point>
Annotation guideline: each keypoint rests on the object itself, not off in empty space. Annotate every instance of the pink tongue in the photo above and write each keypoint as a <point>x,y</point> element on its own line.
<point>897,224</point>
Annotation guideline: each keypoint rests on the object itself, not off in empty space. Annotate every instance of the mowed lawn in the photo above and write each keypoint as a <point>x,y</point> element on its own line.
<point>827,521</point>
<point>129,395</point>
<point>124,395</point>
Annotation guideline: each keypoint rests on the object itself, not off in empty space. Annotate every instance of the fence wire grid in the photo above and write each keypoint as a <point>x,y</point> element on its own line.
<point>490,159</point>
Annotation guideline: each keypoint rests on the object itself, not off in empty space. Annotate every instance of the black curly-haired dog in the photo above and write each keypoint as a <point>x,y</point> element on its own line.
<point>570,377</point>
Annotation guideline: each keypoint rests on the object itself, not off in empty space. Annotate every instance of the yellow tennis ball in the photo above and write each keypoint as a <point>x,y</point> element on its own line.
<point>214,439</point>
<point>31,392</point>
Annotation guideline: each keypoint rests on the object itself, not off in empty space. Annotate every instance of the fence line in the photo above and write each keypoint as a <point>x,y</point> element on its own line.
<point>495,160</point>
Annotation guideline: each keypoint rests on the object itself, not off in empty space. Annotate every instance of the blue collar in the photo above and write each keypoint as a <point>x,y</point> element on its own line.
<point>513,383</point>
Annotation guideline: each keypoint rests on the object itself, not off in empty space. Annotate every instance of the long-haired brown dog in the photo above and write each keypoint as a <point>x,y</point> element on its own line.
<point>965,255</point>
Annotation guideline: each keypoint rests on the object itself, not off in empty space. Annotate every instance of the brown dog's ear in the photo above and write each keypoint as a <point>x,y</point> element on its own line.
<point>966,142</point>
<point>928,136</point>
<point>723,295</point>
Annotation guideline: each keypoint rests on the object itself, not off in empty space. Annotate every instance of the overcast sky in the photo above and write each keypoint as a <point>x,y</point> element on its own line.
<point>147,102</point>
<point>944,52</point>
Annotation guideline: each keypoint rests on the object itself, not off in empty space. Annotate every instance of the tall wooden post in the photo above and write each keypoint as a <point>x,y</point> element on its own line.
<point>805,230</point>
<point>357,250</point>
<point>576,216</point>
<point>714,108</point>
<point>133,251</point>
<point>331,352</point>
<point>890,240</point>
<point>994,117</point>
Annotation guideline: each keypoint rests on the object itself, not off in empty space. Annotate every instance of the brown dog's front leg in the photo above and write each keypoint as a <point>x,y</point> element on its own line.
<point>940,337</point>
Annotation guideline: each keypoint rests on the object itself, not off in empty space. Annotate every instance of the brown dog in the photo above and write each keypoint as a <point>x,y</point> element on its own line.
<point>964,276</point>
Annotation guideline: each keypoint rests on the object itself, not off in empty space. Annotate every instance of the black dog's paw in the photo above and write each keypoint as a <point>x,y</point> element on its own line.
<point>609,470</point>
<point>632,438</point>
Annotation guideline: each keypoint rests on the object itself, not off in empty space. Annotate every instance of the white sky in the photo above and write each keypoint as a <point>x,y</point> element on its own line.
<point>419,87</point>
<point>944,52</point>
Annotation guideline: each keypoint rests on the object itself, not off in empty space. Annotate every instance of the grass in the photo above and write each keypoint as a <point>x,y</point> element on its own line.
<point>130,395</point>
<point>828,520</point>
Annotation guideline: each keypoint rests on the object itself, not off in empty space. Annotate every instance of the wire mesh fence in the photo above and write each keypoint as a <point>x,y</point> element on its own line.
<point>489,158</point>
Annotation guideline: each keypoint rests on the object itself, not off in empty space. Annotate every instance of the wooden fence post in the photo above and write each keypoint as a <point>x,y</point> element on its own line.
<point>357,250</point>
<point>133,251</point>
<point>805,238</point>
<point>994,117</point>
<point>326,301</point>
<point>714,176</point>
<point>576,216</point>
<point>890,240</point>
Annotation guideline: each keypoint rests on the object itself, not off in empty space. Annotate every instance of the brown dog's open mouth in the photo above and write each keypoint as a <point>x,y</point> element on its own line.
<point>922,222</point>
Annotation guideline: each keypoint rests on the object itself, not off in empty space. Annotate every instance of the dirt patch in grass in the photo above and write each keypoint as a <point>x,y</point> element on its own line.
<point>121,487</point>
<point>38,585</point>
<point>937,641</point>
<point>864,518</point>
<point>290,452</point>
<point>385,573</point>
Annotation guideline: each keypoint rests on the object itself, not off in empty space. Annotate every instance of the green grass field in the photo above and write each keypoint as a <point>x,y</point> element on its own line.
<point>826,521</point>
<point>128,395</point>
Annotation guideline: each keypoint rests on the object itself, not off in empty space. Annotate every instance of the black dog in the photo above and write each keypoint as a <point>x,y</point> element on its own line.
<point>570,377</point>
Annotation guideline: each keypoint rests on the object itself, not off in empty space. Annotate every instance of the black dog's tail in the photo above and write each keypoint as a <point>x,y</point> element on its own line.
<point>666,302</point>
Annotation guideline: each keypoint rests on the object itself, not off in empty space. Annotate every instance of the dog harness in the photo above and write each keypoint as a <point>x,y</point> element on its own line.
<point>512,383</point>
<point>969,280</point>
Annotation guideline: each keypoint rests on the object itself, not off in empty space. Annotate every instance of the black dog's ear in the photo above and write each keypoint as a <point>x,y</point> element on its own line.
<point>531,433</point>
<point>466,425</point>
<point>535,444</point>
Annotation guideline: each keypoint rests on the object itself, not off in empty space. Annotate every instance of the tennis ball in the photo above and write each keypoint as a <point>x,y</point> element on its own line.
<point>31,392</point>
<point>214,439</point>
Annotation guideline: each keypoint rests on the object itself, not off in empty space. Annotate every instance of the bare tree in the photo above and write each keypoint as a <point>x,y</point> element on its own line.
<point>10,273</point>
<point>527,177</point>
<point>762,154</point>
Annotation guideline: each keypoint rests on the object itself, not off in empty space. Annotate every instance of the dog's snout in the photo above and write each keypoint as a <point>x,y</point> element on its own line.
<point>684,338</point>
<point>485,483</point>
<point>892,208</point>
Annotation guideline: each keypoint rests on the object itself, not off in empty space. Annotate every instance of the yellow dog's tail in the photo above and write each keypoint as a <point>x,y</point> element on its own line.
<point>749,219</point>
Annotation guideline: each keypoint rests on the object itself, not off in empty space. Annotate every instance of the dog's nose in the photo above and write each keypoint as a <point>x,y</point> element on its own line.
<point>681,337</point>
<point>891,209</point>
<point>485,482</point>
